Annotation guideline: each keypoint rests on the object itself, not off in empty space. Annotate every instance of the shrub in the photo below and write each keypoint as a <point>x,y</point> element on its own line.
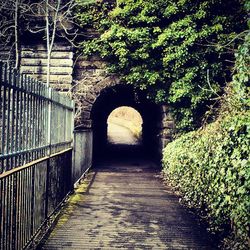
<point>211,166</point>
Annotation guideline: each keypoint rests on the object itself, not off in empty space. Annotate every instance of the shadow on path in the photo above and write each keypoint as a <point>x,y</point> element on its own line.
<point>127,206</point>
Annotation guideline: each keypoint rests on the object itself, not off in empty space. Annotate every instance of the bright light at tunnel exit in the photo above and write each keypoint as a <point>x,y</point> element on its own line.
<point>124,126</point>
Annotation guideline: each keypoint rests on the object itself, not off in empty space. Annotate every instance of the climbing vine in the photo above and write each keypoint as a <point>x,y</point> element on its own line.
<point>172,49</point>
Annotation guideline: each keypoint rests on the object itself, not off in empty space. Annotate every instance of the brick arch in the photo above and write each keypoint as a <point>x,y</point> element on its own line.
<point>93,82</point>
<point>89,97</point>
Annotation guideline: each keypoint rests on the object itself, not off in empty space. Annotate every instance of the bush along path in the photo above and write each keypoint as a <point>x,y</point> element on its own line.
<point>211,166</point>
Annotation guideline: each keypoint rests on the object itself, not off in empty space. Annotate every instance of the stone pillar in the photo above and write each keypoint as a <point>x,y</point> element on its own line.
<point>166,128</point>
<point>83,147</point>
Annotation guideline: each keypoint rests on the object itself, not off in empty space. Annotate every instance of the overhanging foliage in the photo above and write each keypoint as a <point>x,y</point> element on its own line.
<point>172,49</point>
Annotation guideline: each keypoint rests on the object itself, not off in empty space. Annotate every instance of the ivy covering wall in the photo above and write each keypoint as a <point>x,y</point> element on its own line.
<point>177,51</point>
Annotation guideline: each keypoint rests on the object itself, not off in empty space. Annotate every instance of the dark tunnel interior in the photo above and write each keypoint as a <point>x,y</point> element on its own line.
<point>112,98</point>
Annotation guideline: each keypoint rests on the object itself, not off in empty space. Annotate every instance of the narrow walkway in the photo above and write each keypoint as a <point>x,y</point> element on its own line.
<point>118,134</point>
<point>126,206</point>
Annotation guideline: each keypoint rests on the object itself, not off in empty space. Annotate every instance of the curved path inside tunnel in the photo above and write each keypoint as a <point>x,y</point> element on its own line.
<point>126,205</point>
<point>119,134</point>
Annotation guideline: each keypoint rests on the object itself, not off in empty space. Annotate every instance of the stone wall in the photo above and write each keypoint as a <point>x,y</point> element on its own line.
<point>87,78</point>
<point>7,55</point>
<point>82,157</point>
<point>166,127</point>
<point>90,78</point>
<point>34,63</point>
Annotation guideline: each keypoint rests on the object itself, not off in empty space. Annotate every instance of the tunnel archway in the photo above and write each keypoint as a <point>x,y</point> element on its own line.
<point>113,97</point>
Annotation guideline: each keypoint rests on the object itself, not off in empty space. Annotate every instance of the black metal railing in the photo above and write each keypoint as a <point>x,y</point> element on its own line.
<point>36,131</point>
<point>29,195</point>
<point>33,119</point>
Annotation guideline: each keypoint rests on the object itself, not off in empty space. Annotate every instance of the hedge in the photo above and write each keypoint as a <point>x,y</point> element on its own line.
<point>211,169</point>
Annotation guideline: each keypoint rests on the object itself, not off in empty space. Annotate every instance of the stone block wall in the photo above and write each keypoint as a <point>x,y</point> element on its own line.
<point>82,158</point>
<point>7,55</point>
<point>90,78</point>
<point>34,63</point>
<point>86,78</point>
<point>166,127</point>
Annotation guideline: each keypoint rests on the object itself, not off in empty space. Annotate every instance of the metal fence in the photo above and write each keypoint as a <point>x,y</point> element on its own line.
<point>36,125</point>
<point>27,131</point>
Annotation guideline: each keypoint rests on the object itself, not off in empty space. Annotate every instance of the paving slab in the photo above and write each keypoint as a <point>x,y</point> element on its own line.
<point>126,205</point>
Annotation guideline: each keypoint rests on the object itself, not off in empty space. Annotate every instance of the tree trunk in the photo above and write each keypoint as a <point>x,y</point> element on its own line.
<point>50,39</point>
<point>48,43</point>
<point>17,36</point>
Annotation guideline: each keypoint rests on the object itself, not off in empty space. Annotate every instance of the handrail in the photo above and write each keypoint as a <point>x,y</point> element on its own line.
<point>30,164</point>
<point>5,156</point>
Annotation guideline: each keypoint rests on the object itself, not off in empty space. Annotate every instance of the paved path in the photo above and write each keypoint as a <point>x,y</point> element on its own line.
<point>118,134</point>
<point>126,206</point>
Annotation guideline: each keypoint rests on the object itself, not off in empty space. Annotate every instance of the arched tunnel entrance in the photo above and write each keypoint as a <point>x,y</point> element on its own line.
<point>111,98</point>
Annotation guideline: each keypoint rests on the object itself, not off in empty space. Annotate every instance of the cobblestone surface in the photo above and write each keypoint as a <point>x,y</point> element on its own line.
<point>126,206</point>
